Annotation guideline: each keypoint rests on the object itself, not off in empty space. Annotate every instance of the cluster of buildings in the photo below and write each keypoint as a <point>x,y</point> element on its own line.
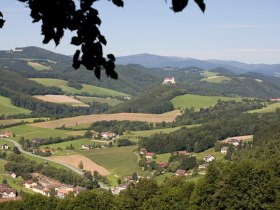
<point>47,186</point>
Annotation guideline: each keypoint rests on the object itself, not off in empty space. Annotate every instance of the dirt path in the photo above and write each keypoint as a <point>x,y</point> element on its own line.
<point>74,160</point>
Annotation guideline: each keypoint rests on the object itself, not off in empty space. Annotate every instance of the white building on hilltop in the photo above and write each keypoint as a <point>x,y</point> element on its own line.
<point>169,80</point>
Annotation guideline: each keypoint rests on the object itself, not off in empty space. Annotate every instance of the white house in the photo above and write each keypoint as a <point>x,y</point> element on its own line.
<point>29,184</point>
<point>208,158</point>
<point>85,146</point>
<point>5,147</point>
<point>169,80</point>
<point>224,150</point>
<point>12,174</point>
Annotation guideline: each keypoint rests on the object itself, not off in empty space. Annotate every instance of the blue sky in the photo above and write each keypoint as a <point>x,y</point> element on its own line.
<point>242,30</point>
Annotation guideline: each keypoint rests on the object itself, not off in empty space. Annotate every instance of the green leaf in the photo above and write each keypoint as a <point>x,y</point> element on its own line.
<point>201,4</point>
<point>97,72</point>
<point>2,23</point>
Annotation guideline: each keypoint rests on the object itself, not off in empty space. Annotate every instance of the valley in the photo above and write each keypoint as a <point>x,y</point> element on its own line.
<point>102,135</point>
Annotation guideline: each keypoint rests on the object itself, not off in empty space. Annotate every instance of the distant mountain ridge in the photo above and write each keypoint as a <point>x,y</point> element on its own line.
<point>157,61</point>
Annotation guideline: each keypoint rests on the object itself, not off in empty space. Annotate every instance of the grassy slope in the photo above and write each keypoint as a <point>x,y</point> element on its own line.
<point>121,161</point>
<point>37,66</point>
<point>269,108</point>
<point>213,77</point>
<point>29,132</point>
<point>7,108</point>
<point>86,88</point>
<point>135,135</point>
<point>109,101</point>
<point>197,101</point>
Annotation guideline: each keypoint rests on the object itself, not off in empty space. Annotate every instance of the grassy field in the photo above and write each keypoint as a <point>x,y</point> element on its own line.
<point>163,157</point>
<point>109,101</point>
<point>218,156</point>
<point>85,119</point>
<point>38,66</point>
<point>7,122</point>
<point>7,108</point>
<point>269,108</point>
<point>29,132</point>
<point>120,161</point>
<point>61,99</point>
<point>214,77</point>
<point>197,101</point>
<point>76,144</point>
<point>2,163</point>
<point>135,135</point>
<point>93,90</point>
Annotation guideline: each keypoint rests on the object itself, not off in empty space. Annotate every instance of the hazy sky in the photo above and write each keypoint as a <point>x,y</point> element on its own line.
<point>243,30</point>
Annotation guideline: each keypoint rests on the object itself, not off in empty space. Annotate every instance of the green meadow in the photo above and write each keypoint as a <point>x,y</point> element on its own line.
<point>214,77</point>
<point>269,108</point>
<point>120,161</point>
<point>30,132</point>
<point>38,66</point>
<point>90,89</point>
<point>7,108</point>
<point>197,101</point>
<point>109,101</point>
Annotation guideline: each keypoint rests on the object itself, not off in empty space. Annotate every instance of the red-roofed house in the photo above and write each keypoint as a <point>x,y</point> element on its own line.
<point>182,152</point>
<point>149,155</point>
<point>6,134</point>
<point>163,164</point>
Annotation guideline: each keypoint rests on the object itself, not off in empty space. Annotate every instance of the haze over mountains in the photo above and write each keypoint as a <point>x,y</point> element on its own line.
<point>156,61</point>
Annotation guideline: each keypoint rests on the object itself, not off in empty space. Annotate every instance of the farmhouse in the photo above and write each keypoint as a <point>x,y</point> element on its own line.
<point>85,146</point>
<point>142,151</point>
<point>149,155</point>
<point>29,184</point>
<point>12,174</point>
<point>5,147</point>
<point>208,158</point>
<point>120,188</point>
<point>6,134</point>
<point>108,135</point>
<point>46,150</point>
<point>169,80</point>
<point>163,164</point>
<point>41,189</point>
<point>203,166</point>
<point>182,152</point>
<point>235,142</point>
<point>7,192</point>
<point>180,172</point>
<point>224,150</point>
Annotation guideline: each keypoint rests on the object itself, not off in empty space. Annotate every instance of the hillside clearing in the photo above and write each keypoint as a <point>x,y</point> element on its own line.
<point>198,101</point>
<point>109,101</point>
<point>240,138</point>
<point>7,108</point>
<point>38,66</point>
<point>88,89</point>
<point>269,108</point>
<point>73,121</point>
<point>88,164</point>
<point>61,99</point>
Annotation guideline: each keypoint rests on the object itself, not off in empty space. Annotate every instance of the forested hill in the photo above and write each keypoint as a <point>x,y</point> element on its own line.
<point>34,62</point>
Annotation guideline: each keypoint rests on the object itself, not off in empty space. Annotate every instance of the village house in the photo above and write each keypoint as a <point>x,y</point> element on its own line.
<point>224,150</point>
<point>163,164</point>
<point>6,134</point>
<point>208,158</point>
<point>7,192</point>
<point>108,135</point>
<point>120,188</point>
<point>46,150</point>
<point>128,179</point>
<point>169,80</point>
<point>203,166</point>
<point>77,190</point>
<point>180,172</point>
<point>63,190</point>
<point>149,155</point>
<point>182,152</point>
<point>234,142</point>
<point>188,173</point>
<point>142,151</point>
<point>5,147</point>
<point>41,189</point>
<point>29,184</point>
<point>12,174</point>
<point>85,146</point>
